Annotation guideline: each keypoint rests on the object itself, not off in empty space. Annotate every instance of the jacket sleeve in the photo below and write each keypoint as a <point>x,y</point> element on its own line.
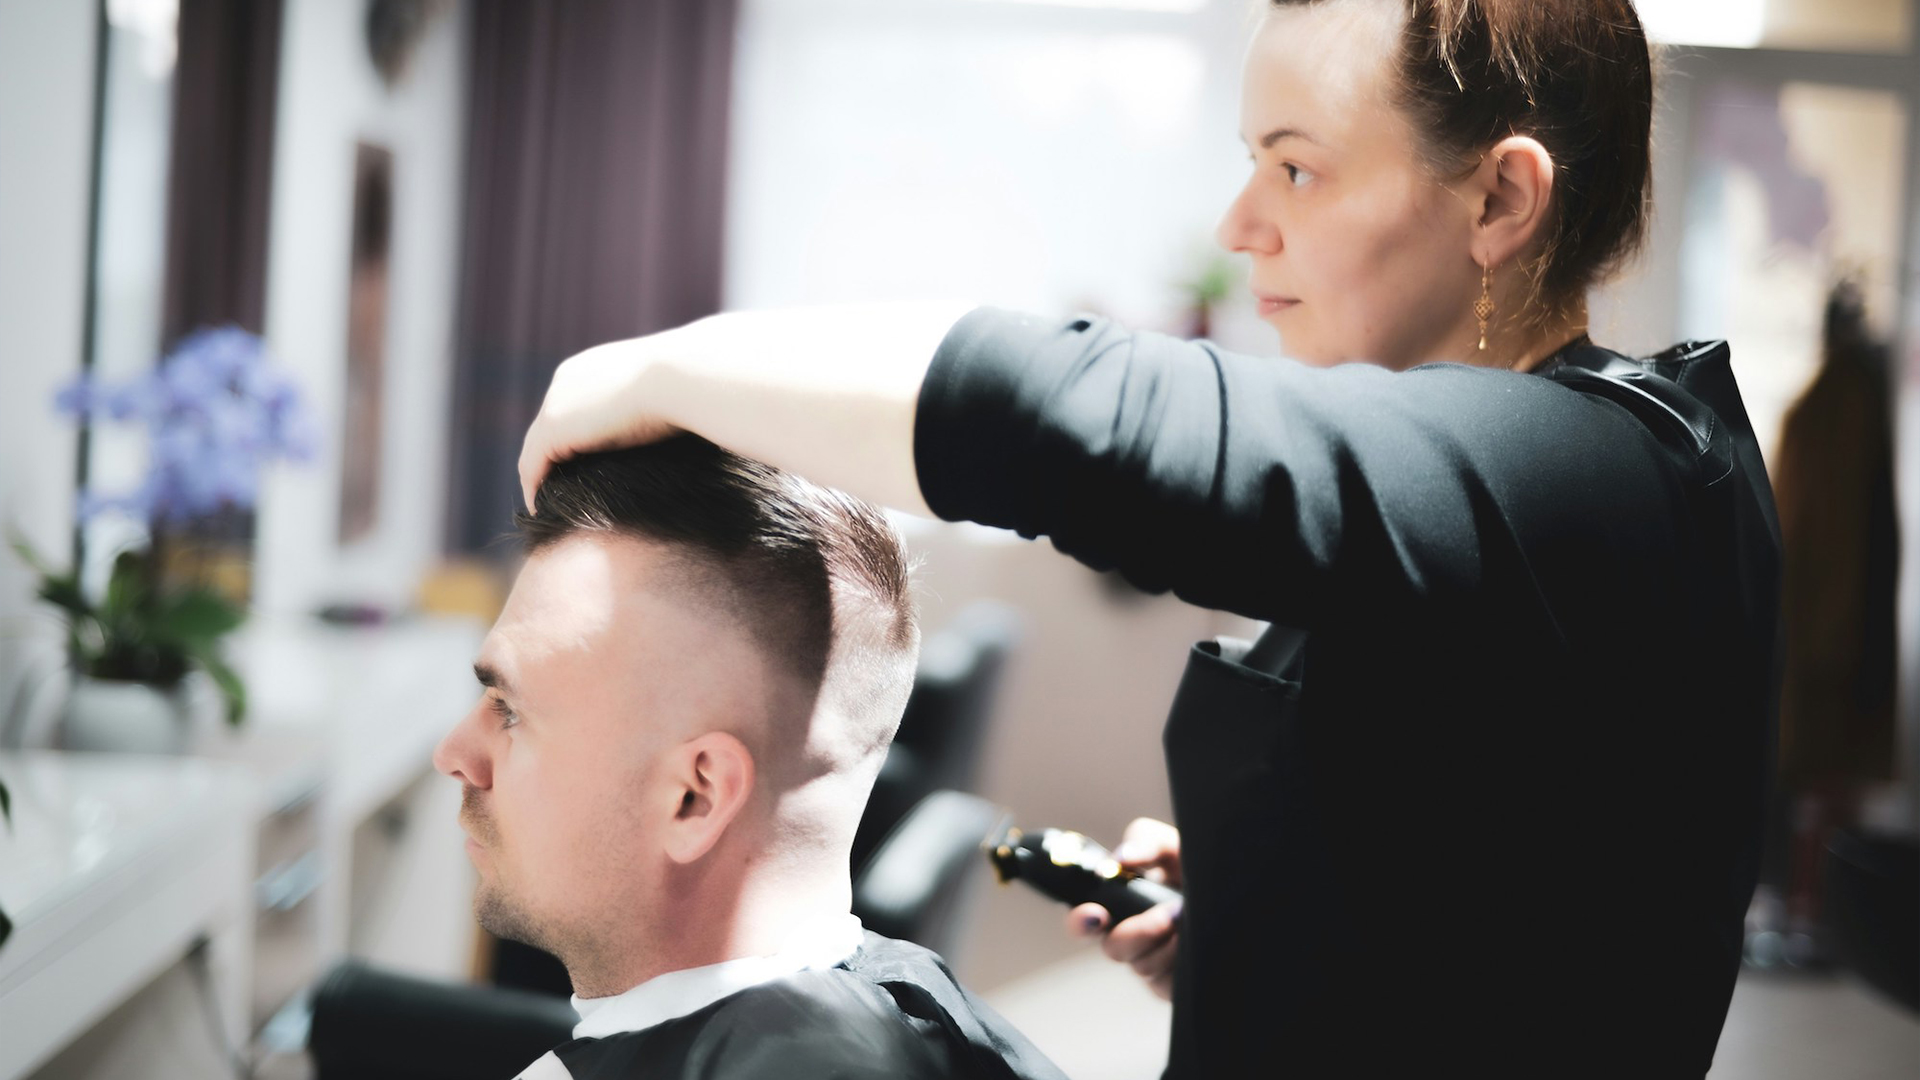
<point>1259,486</point>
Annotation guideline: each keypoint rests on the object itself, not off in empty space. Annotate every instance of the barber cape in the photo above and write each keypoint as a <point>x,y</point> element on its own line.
<point>835,1001</point>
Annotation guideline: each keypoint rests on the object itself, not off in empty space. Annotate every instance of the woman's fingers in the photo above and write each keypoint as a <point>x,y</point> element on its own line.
<point>1151,848</point>
<point>1132,939</point>
<point>1087,921</point>
<point>1148,943</point>
<point>1158,960</point>
<point>590,405</point>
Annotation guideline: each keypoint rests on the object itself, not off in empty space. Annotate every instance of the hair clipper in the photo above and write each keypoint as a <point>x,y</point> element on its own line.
<point>1073,869</point>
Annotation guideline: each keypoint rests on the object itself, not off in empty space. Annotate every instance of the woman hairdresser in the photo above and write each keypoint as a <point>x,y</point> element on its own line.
<point>1493,802</point>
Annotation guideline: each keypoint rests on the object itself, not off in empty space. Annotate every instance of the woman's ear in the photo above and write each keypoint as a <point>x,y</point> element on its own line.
<point>711,778</point>
<point>1512,191</point>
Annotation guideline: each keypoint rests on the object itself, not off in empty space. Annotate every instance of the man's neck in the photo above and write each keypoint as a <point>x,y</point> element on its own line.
<point>694,932</point>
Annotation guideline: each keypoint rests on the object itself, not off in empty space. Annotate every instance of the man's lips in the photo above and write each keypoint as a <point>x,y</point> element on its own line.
<point>477,839</point>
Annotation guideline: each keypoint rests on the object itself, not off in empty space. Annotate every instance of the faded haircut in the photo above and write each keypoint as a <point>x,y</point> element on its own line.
<point>819,580</point>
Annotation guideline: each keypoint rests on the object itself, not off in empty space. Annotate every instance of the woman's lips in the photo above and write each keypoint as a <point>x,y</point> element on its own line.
<point>1270,304</point>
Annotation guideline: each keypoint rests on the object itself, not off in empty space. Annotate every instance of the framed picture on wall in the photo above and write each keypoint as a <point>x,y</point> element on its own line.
<point>366,342</point>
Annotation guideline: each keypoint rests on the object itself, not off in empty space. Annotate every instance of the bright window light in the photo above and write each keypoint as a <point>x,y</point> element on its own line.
<point>153,22</point>
<point>1177,7</point>
<point>1734,24</point>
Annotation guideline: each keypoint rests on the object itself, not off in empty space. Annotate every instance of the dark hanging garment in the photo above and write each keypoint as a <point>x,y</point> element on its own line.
<point>1839,520</point>
<point>892,1010</point>
<point>1490,800</point>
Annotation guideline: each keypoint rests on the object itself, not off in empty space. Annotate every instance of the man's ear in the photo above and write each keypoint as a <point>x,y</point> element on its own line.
<point>711,778</point>
<point>1511,193</point>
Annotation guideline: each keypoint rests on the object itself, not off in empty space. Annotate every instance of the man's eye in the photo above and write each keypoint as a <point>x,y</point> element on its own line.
<point>503,711</point>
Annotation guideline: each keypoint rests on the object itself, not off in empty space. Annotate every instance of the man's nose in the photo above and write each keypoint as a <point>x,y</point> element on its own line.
<point>462,754</point>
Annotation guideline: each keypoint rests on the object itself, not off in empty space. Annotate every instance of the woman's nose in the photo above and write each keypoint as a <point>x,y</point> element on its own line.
<point>462,754</point>
<point>1242,228</point>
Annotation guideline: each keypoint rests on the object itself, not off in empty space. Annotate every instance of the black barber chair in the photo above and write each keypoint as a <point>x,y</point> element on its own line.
<point>945,724</point>
<point>1873,891</point>
<point>372,1025</point>
<point>911,887</point>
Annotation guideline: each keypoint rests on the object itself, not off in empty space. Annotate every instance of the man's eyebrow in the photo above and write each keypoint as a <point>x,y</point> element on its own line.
<point>490,676</point>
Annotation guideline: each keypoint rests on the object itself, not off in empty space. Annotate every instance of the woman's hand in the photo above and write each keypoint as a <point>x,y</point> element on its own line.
<point>1149,941</point>
<point>597,401</point>
<point>828,393</point>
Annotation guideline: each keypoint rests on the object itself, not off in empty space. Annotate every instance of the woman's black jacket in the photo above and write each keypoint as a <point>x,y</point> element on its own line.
<point>1502,813</point>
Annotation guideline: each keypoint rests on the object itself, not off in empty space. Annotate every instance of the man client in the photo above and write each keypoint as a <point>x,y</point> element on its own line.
<point>687,698</point>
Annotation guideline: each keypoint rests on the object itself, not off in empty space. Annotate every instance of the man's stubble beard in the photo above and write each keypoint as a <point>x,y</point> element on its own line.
<point>493,908</point>
<point>498,915</point>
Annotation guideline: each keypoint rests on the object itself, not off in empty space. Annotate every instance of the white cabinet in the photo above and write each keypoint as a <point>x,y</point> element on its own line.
<point>114,868</point>
<point>315,831</point>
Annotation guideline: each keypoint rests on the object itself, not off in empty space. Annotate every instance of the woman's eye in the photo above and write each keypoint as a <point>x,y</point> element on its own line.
<point>1296,175</point>
<point>503,711</point>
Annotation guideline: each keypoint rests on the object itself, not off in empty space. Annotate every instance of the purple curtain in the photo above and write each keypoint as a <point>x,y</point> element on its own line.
<point>594,204</point>
<point>220,175</point>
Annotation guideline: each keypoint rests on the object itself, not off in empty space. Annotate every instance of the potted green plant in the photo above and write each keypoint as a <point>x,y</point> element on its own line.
<point>215,410</point>
<point>132,651</point>
<point>1206,291</point>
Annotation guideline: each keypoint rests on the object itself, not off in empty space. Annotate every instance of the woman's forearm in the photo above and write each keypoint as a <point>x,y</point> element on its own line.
<point>828,393</point>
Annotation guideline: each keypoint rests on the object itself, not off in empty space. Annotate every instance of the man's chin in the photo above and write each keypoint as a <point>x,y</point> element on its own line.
<point>502,918</point>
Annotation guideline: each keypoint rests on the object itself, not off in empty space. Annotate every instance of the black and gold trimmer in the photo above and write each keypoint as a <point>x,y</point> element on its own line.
<point>1073,869</point>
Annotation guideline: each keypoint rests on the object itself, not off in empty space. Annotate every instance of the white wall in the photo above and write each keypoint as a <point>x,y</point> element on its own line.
<point>1038,157</point>
<point>1043,158</point>
<point>46,125</point>
<point>330,99</point>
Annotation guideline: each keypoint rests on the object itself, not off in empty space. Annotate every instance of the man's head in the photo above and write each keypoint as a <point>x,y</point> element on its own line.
<point>690,690</point>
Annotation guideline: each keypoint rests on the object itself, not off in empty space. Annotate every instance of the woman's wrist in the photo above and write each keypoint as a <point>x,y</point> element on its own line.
<point>828,392</point>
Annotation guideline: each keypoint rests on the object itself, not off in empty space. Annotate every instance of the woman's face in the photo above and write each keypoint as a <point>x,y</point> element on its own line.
<point>1358,252</point>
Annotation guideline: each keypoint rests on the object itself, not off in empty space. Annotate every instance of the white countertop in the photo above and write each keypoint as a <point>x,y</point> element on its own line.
<point>113,866</point>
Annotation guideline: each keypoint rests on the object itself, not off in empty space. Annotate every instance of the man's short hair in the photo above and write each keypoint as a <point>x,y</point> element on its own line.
<point>819,580</point>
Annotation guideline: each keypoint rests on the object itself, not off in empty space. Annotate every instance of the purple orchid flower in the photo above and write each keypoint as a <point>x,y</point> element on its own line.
<point>215,410</point>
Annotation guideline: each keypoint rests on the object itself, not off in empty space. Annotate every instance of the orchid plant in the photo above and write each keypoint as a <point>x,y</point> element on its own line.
<point>215,410</point>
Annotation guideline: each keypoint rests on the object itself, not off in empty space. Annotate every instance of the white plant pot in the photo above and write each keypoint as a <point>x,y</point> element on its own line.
<point>134,717</point>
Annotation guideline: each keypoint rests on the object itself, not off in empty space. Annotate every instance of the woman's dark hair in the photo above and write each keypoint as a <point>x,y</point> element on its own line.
<point>1575,74</point>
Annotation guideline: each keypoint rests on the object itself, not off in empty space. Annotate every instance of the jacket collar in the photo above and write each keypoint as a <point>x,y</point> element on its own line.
<point>1672,393</point>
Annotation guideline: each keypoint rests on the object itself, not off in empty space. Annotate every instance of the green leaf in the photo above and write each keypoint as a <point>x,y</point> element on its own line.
<point>60,590</point>
<point>27,555</point>
<point>126,589</point>
<point>197,615</point>
<point>64,593</point>
<point>228,680</point>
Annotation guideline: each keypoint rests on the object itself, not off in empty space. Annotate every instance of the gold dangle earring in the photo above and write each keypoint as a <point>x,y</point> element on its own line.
<point>1483,307</point>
